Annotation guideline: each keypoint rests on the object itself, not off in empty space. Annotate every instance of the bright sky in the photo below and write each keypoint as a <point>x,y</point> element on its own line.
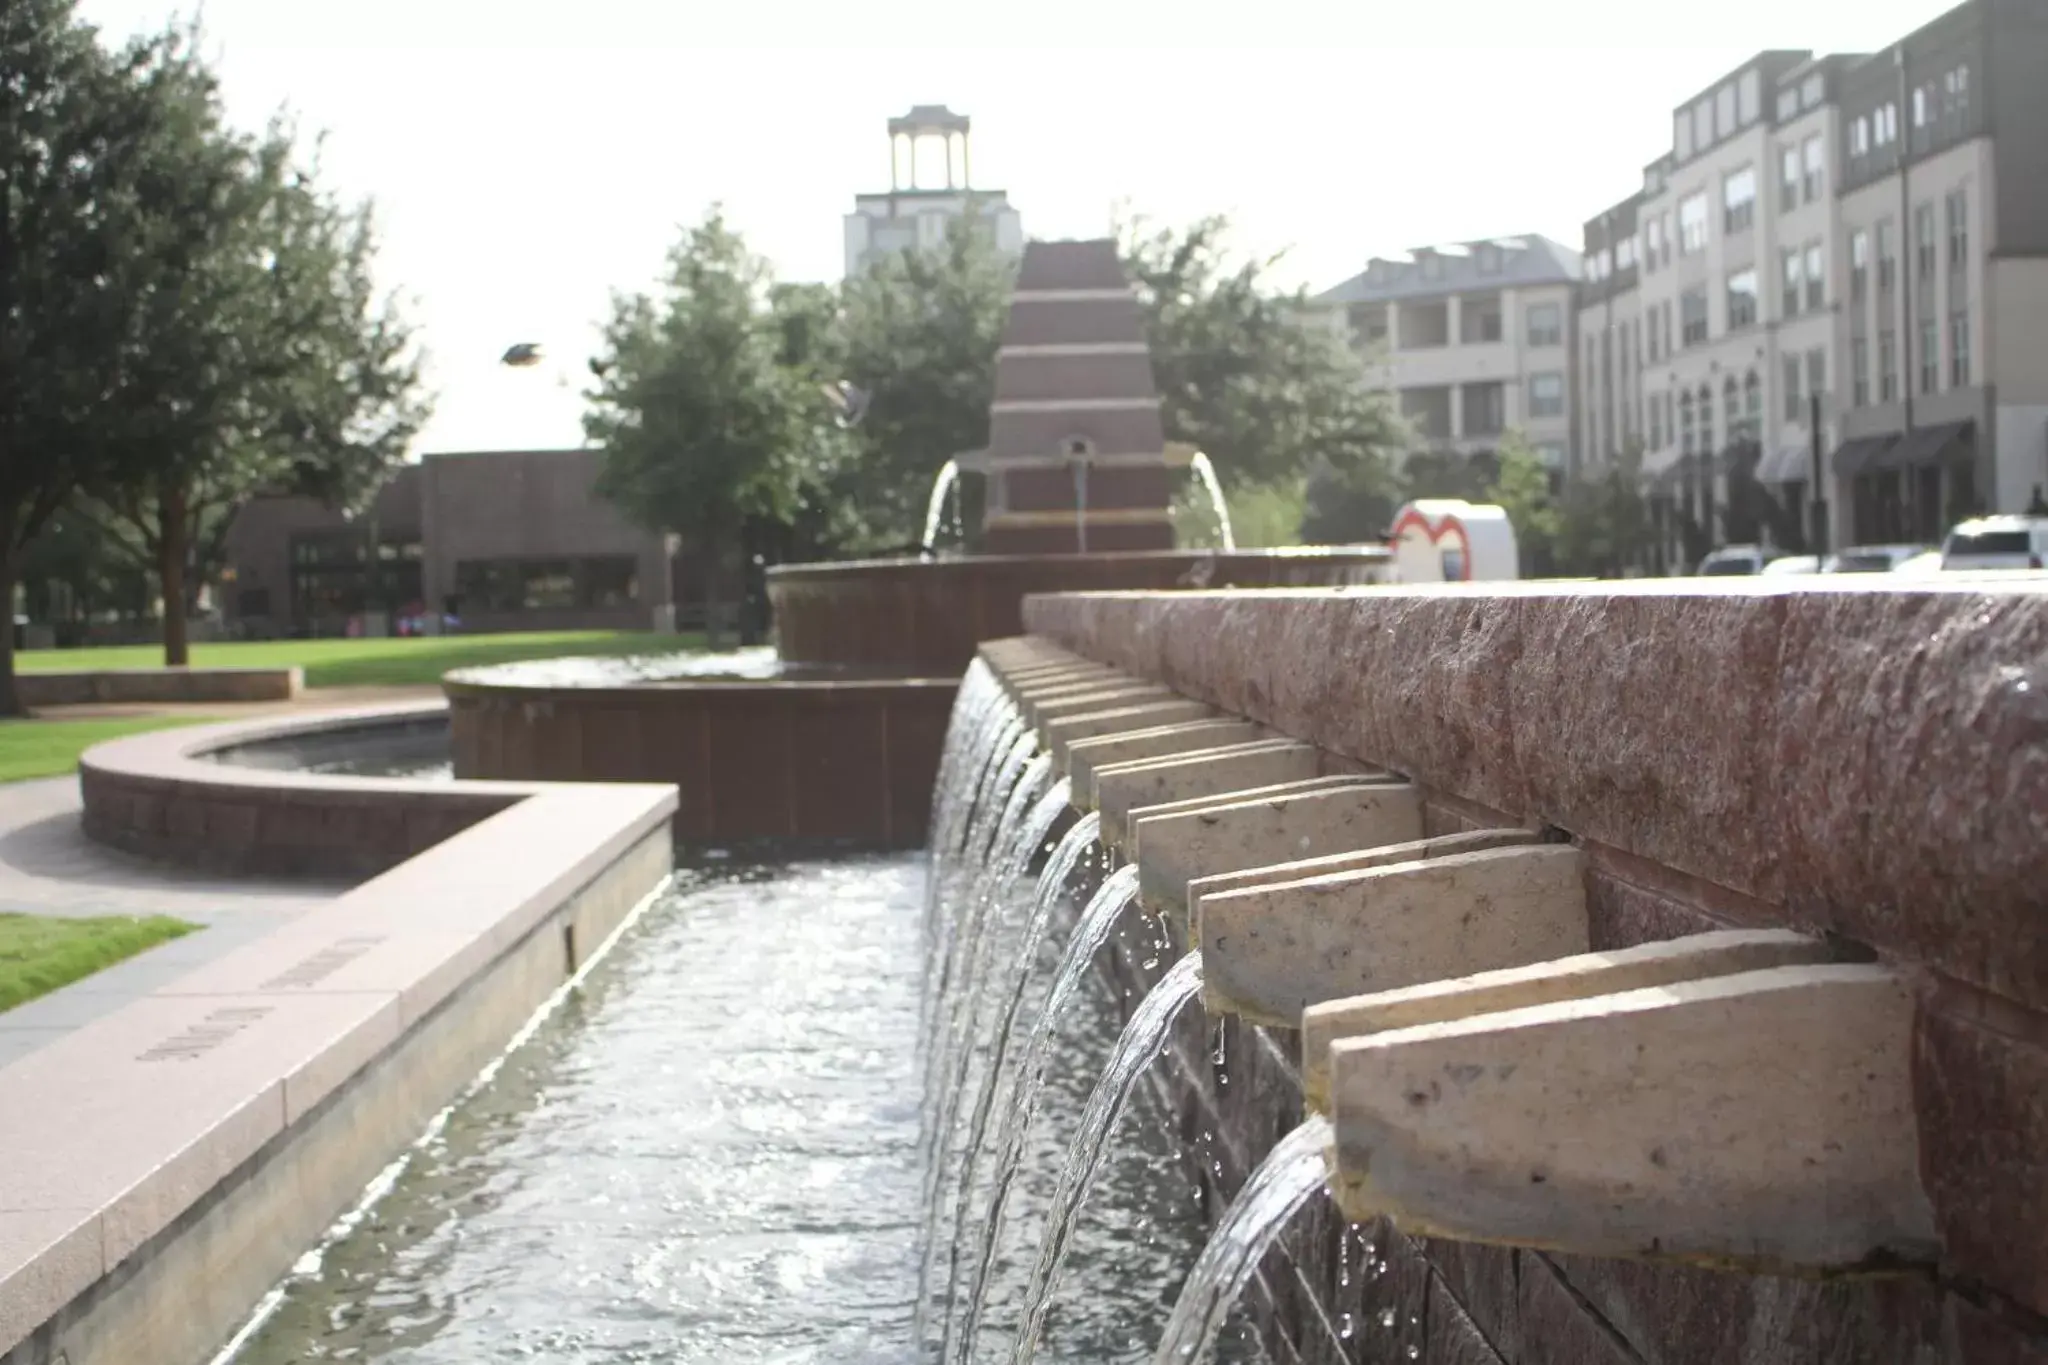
<point>529,156</point>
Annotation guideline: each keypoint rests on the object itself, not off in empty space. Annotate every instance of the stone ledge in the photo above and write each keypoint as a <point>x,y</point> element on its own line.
<point>140,685</point>
<point>118,1132</point>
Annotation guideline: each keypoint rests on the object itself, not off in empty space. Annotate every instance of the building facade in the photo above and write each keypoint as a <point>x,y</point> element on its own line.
<point>1836,320</point>
<point>499,540</point>
<point>1476,339</point>
<point>914,215</point>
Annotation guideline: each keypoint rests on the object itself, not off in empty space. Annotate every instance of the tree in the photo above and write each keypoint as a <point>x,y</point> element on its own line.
<point>81,179</point>
<point>1248,375</point>
<point>1522,490</point>
<point>703,421</point>
<point>267,362</point>
<point>1604,521</point>
<point>920,334</point>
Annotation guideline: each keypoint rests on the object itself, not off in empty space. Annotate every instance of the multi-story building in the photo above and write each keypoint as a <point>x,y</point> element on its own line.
<point>1840,289</point>
<point>913,214</point>
<point>1475,338</point>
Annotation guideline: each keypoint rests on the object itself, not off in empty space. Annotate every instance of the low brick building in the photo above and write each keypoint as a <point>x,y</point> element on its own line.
<point>501,540</point>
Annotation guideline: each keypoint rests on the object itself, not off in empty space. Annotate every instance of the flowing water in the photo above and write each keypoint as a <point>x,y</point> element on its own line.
<point>1206,472</point>
<point>1292,1174</point>
<point>1144,1038</point>
<point>946,482</point>
<point>1116,895</point>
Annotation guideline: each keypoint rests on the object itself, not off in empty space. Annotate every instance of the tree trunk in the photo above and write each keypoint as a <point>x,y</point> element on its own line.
<point>170,565</point>
<point>10,700</point>
<point>714,622</point>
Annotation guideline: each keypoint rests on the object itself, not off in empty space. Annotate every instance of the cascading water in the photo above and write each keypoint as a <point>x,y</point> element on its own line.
<point>1288,1178</point>
<point>946,482</point>
<point>1203,469</point>
<point>1144,1038</point>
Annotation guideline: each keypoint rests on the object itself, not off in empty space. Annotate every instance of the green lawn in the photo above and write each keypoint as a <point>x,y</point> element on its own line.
<point>38,955</point>
<point>370,663</point>
<point>50,748</point>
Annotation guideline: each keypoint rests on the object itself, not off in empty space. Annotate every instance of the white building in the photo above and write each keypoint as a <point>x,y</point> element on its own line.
<point>1475,338</point>
<point>913,214</point>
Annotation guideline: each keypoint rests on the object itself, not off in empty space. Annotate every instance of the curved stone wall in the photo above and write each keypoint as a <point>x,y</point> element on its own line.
<point>843,760</point>
<point>913,616</point>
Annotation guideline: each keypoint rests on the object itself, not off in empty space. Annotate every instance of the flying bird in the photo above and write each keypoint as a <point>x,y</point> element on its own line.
<point>851,403</point>
<point>525,355</point>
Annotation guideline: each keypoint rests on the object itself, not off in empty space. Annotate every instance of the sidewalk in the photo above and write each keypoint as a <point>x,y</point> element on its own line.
<point>49,867</point>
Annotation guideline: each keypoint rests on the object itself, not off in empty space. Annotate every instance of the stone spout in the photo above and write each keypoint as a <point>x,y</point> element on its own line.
<point>1270,951</point>
<point>1664,963</point>
<point>1121,788</point>
<point>1058,734</point>
<point>1040,708</point>
<point>1762,1121</point>
<point>1084,756</point>
<point>1246,830</point>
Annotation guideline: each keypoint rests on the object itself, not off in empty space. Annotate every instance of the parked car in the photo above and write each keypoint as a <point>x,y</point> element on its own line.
<point>1920,565</point>
<point>1791,564</point>
<point>2002,542</point>
<point>1735,559</point>
<point>1872,558</point>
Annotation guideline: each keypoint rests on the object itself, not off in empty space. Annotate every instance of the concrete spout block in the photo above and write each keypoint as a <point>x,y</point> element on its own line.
<point>1355,860</point>
<point>1039,710</point>
<point>1084,756</point>
<point>1058,734</point>
<point>1665,963</point>
<point>1269,952</point>
<point>1121,788</point>
<point>1174,848</point>
<point>1761,1121</point>
<point>1067,684</point>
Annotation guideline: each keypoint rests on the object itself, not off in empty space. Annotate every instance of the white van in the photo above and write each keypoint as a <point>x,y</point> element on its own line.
<point>2003,542</point>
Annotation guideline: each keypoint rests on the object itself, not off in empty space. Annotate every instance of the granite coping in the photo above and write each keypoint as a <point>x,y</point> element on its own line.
<point>70,687</point>
<point>116,1129</point>
<point>1871,757</point>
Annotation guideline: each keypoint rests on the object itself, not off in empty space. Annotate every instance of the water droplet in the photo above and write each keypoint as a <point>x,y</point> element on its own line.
<point>1344,1326</point>
<point>1387,1319</point>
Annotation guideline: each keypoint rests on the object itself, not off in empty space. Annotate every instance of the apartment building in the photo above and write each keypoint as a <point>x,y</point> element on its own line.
<point>918,211</point>
<point>1476,338</point>
<point>1835,284</point>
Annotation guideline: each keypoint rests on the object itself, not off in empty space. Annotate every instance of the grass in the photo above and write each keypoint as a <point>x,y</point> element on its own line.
<point>50,748</point>
<point>38,955</point>
<point>369,663</point>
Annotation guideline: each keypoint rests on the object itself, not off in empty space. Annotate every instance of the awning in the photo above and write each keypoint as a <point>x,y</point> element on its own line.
<point>1785,464</point>
<point>1923,446</point>
<point>1860,456</point>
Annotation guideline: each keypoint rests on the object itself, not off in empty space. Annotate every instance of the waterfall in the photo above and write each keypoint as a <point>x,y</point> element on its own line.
<point>1206,472</point>
<point>947,481</point>
<point>1287,1179</point>
<point>1116,895</point>
<point>1144,1038</point>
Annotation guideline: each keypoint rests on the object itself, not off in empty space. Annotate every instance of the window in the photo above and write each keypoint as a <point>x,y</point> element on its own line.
<point>1742,299</point>
<point>1546,395</point>
<point>1884,125</point>
<point>513,585</point>
<point>1887,366</point>
<point>1681,133</point>
<point>1546,324</point>
<point>1788,104</point>
<point>1749,95</point>
<point>1930,355</point>
<point>1816,371</point>
<point>1724,111</point>
<point>1731,396</point>
<point>1656,433</point>
<point>1625,252</point>
<point>1859,370</point>
<point>1926,251</point>
<point>1368,324</point>
<point>1922,105</point>
<point>1955,91</point>
<point>1958,228</point>
<point>1959,349</point>
<point>1706,419</point>
<point>1752,404</point>
<point>1485,409</point>
<point>1685,423</point>
<point>1816,278</point>
<point>1692,223</point>
<point>1738,200</point>
<point>1795,405</point>
<point>1814,156</point>
<point>1859,266</point>
<point>1887,264</point>
<point>1788,177</point>
<point>1653,243</point>
<point>1692,317</point>
<point>1859,136</point>
<point>1793,268</point>
<point>1813,90</point>
<point>1551,453</point>
<point>1479,320</point>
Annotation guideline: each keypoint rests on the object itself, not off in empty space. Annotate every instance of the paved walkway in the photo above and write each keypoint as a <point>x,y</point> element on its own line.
<point>49,867</point>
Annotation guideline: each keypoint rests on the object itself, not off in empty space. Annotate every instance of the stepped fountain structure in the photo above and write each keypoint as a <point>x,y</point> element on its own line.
<point>838,738</point>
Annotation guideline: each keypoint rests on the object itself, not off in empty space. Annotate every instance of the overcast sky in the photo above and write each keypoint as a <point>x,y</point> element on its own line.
<point>527,158</point>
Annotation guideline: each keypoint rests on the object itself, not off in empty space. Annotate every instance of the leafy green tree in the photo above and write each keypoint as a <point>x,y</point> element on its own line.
<point>1604,524</point>
<point>81,183</point>
<point>1248,375</point>
<point>705,403</point>
<point>920,332</point>
<point>1522,490</point>
<point>267,361</point>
